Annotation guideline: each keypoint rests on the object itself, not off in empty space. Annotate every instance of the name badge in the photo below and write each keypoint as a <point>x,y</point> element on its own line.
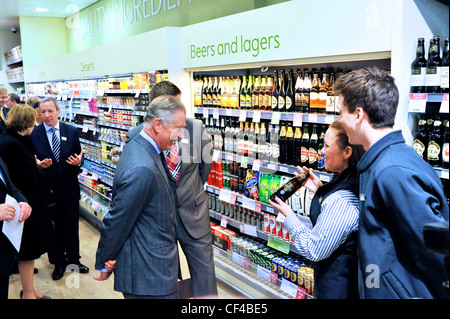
<point>184,141</point>
<point>63,138</point>
<point>362,197</point>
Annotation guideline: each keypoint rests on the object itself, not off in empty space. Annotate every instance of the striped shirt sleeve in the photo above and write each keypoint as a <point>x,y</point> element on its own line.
<point>338,219</point>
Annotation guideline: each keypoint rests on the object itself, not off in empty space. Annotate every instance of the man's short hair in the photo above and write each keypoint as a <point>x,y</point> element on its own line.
<point>163,88</point>
<point>163,107</point>
<point>373,90</point>
<point>14,97</point>
<point>50,99</point>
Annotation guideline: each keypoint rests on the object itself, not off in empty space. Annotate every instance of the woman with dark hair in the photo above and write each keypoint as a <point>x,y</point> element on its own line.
<point>331,243</point>
<point>16,151</point>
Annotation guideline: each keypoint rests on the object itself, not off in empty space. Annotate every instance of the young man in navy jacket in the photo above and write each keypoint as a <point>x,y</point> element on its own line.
<point>399,192</point>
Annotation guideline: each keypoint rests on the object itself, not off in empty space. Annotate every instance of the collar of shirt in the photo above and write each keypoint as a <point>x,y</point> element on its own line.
<point>49,127</point>
<point>151,140</point>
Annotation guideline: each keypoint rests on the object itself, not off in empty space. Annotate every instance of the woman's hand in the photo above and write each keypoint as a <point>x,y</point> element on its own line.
<point>313,182</point>
<point>282,207</point>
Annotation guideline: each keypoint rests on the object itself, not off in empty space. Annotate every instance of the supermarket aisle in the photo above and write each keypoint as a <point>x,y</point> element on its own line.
<point>74,285</point>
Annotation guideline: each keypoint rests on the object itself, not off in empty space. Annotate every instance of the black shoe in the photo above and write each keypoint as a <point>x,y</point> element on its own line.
<point>58,272</point>
<point>78,267</point>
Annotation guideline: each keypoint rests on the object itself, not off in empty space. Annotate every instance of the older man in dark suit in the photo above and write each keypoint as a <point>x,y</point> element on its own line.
<point>8,254</point>
<point>58,151</point>
<point>139,232</point>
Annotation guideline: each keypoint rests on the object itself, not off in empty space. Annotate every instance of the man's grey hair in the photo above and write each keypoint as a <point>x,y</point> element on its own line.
<point>50,99</point>
<point>163,107</point>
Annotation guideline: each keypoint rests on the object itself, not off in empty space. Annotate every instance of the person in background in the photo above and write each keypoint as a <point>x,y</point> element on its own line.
<point>334,213</point>
<point>18,154</point>
<point>139,231</point>
<point>8,254</point>
<point>12,100</point>
<point>399,192</point>
<point>59,154</point>
<point>190,170</point>
<point>3,98</point>
<point>39,119</point>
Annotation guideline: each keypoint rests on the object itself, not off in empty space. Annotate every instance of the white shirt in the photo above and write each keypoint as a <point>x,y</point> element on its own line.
<point>50,134</point>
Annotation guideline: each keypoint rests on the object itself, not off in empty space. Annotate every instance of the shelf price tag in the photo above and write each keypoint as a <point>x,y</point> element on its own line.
<point>417,102</point>
<point>205,112</point>
<point>256,165</point>
<point>298,119</point>
<point>275,118</point>
<point>244,161</point>
<point>101,92</point>
<point>279,244</point>
<point>256,116</point>
<point>242,116</point>
<point>263,273</point>
<point>224,222</point>
<point>216,114</point>
<point>444,104</point>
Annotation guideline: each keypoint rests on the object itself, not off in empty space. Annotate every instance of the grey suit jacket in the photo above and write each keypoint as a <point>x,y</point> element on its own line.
<point>196,159</point>
<point>139,230</point>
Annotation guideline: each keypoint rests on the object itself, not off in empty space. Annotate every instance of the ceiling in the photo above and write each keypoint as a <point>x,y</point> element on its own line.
<point>10,10</point>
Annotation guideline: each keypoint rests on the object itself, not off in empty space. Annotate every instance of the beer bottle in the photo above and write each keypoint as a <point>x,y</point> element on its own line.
<point>420,142</point>
<point>290,187</point>
<point>419,68</point>
<point>290,144</point>
<point>435,144</point>
<point>255,94</point>
<point>235,134</point>
<point>275,92</point>
<point>320,154</point>
<point>275,144</point>
<point>269,143</point>
<point>282,144</point>
<point>314,95</point>
<point>313,147</point>
<point>225,92</point>
<point>205,92</point>
<point>248,96</point>
<point>262,145</point>
<point>209,93</point>
<point>444,70</point>
<point>245,145</point>
<point>323,93</point>
<point>297,146</point>
<point>290,97</point>
<point>298,92</point>
<point>214,93</point>
<point>240,139</point>
<point>282,94</point>
<point>434,65</point>
<point>268,94</point>
<point>227,141</point>
<point>251,141</point>
<point>305,147</point>
<point>445,146</point>
<point>262,93</point>
<point>306,92</point>
<point>241,180</point>
<point>243,93</point>
<point>219,92</point>
<point>331,98</point>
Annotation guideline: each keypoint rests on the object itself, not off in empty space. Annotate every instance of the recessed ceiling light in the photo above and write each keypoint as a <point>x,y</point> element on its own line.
<point>41,9</point>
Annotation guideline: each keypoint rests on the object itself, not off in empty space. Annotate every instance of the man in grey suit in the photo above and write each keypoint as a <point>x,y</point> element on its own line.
<point>193,227</point>
<point>139,232</point>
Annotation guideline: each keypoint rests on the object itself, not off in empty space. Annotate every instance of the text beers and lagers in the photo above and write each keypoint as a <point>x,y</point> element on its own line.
<point>239,45</point>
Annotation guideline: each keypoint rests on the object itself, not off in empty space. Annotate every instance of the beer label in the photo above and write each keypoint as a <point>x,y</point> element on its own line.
<point>418,76</point>
<point>268,149</point>
<point>444,77</point>
<point>433,151</point>
<point>275,150</point>
<point>312,155</point>
<point>280,102</point>
<point>320,160</point>
<point>323,96</point>
<point>433,76</point>
<point>313,96</point>
<point>419,147</point>
<point>298,98</point>
<point>290,133</point>
<point>304,154</point>
<point>288,103</point>
<point>445,153</point>
<point>274,102</point>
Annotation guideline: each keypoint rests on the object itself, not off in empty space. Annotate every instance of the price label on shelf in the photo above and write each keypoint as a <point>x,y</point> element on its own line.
<point>256,165</point>
<point>263,273</point>
<point>205,112</point>
<point>225,195</point>
<point>101,92</point>
<point>275,118</point>
<point>242,116</point>
<point>216,114</point>
<point>224,222</point>
<point>417,102</point>
<point>444,104</point>
<point>298,119</point>
<point>256,116</point>
<point>274,278</point>
<point>216,155</point>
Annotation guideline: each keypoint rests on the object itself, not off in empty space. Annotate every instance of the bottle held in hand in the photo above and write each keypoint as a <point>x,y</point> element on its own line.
<point>290,187</point>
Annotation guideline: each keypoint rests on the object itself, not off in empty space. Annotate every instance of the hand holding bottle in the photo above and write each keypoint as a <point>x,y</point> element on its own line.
<point>281,206</point>
<point>313,182</point>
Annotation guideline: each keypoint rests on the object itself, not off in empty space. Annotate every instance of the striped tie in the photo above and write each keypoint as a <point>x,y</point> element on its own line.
<point>173,161</point>
<point>56,145</point>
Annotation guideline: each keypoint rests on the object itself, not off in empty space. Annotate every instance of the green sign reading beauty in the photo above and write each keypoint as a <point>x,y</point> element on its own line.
<point>111,20</point>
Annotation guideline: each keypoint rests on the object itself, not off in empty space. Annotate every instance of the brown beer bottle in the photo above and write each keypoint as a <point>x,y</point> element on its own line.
<point>290,187</point>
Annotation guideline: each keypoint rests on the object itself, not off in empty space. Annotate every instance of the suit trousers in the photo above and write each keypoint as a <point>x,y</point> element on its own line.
<point>199,256</point>
<point>4,286</point>
<point>65,244</point>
